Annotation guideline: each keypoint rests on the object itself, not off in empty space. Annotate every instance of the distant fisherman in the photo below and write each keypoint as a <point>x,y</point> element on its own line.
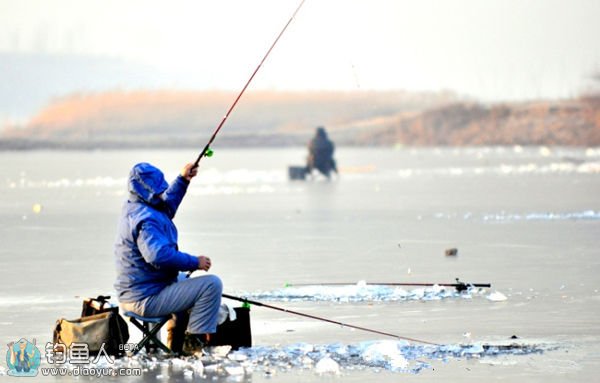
<point>320,153</point>
<point>149,261</point>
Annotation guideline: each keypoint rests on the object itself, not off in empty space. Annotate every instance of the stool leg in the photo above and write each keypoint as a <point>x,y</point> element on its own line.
<point>150,336</point>
<point>150,345</point>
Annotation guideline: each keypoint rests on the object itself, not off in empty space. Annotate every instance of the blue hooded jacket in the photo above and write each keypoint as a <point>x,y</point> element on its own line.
<point>146,252</point>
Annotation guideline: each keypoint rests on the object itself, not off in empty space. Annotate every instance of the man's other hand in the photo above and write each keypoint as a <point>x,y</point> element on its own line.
<point>204,263</point>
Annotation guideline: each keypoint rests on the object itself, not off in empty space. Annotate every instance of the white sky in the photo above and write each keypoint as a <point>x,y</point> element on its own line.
<point>489,49</point>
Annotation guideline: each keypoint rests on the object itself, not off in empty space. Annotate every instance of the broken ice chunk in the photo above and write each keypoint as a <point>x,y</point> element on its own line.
<point>327,366</point>
<point>496,296</point>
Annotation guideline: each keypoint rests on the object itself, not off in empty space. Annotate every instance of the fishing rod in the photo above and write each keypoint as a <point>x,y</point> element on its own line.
<point>207,151</point>
<point>459,286</point>
<point>260,304</point>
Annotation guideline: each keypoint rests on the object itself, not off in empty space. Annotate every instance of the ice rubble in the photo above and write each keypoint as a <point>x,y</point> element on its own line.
<point>331,359</point>
<point>503,216</point>
<point>361,292</point>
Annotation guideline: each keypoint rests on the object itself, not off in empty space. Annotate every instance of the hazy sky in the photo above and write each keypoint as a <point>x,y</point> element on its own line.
<point>489,49</point>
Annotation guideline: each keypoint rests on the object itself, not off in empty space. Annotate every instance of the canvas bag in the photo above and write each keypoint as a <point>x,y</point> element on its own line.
<point>100,323</point>
<point>93,330</point>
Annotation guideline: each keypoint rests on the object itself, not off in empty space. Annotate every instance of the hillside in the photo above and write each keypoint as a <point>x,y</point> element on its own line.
<point>565,123</point>
<point>184,119</point>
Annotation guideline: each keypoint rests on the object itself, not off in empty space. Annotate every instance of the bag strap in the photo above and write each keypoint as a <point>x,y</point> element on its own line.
<point>118,325</point>
<point>57,332</point>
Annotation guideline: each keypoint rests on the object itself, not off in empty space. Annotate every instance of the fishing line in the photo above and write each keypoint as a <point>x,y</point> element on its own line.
<point>260,304</point>
<point>207,151</point>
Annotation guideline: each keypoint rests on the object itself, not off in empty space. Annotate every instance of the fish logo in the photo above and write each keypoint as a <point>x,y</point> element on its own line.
<point>23,358</point>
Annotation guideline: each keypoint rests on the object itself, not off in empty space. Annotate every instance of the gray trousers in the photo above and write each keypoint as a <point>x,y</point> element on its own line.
<point>200,295</point>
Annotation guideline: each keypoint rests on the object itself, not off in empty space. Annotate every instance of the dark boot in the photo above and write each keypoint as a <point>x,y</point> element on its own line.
<point>194,344</point>
<point>176,331</point>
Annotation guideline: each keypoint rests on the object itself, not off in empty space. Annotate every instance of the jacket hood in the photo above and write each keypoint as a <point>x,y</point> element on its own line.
<point>147,183</point>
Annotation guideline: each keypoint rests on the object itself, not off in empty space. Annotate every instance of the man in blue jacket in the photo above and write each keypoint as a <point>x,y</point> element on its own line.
<point>149,261</point>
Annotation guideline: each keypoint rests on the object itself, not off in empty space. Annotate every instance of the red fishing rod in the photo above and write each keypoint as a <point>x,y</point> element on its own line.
<point>207,151</point>
<point>459,286</point>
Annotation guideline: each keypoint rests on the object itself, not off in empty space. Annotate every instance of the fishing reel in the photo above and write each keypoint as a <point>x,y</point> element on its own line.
<point>461,286</point>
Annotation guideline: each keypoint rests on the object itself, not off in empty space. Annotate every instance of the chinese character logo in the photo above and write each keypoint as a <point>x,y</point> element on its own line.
<point>23,358</point>
<point>77,353</point>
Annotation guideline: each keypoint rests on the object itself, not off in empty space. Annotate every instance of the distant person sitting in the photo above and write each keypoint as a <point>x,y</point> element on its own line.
<point>320,154</point>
